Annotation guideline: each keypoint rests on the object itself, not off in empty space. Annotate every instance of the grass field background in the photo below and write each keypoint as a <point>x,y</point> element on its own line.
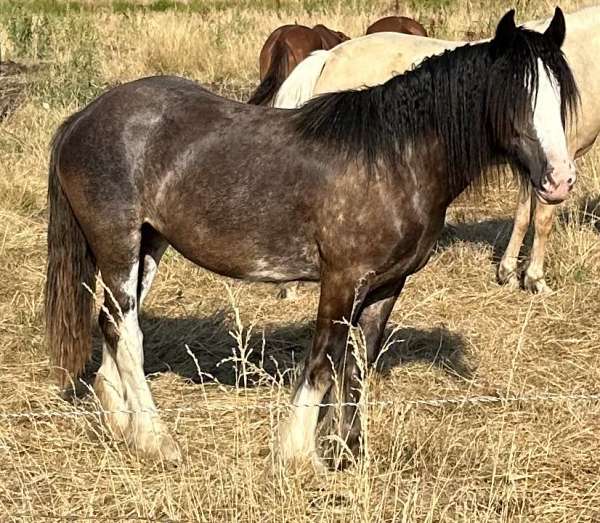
<point>454,331</point>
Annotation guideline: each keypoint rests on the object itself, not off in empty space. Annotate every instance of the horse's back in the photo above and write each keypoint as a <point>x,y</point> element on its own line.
<point>373,59</point>
<point>120,141</point>
<point>127,113</point>
<point>398,24</point>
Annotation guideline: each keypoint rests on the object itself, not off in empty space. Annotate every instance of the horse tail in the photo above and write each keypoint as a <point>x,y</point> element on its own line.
<point>71,264</point>
<point>299,87</point>
<point>276,74</point>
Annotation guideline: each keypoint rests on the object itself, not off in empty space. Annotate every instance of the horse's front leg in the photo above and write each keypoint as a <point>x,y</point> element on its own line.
<point>374,317</point>
<point>343,421</point>
<point>534,280</point>
<point>297,438</point>
<point>507,269</point>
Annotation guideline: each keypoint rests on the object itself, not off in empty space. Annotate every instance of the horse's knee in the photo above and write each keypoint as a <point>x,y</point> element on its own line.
<point>318,371</point>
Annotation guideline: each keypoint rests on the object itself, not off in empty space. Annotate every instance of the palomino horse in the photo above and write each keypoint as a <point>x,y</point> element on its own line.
<point>284,49</point>
<point>397,24</point>
<point>372,60</point>
<point>351,189</point>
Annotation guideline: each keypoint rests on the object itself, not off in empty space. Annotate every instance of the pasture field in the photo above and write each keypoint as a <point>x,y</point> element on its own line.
<point>221,354</point>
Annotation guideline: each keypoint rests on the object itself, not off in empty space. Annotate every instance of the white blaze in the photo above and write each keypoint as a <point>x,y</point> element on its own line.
<point>547,120</point>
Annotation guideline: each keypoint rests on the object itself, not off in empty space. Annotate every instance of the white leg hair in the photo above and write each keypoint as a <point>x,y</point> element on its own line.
<point>297,438</point>
<point>109,390</point>
<point>146,431</point>
<point>150,269</point>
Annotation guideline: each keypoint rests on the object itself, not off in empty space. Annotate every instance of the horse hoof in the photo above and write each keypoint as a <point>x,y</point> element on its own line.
<point>508,277</point>
<point>169,450</point>
<point>291,445</point>
<point>340,455</point>
<point>162,448</point>
<point>117,425</point>
<point>536,285</point>
<point>296,459</point>
<point>300,462</point>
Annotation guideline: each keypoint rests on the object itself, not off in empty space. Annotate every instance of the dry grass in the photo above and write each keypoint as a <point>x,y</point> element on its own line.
<point>459,334</point>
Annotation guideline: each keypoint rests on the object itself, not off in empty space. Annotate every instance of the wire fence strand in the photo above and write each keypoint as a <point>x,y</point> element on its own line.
<point>461,401</point>
<point>19,516</point>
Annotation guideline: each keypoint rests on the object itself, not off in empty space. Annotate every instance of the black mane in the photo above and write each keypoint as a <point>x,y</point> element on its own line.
<point>470,99</point>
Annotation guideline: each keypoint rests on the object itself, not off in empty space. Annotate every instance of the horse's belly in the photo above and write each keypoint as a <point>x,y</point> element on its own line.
<point>281,269</point>
<point>251,258</point>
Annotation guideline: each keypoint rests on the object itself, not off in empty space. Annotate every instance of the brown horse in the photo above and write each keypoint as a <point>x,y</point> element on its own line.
<point>397,24</point>
<point>350,190</point>
<point>284,49</point>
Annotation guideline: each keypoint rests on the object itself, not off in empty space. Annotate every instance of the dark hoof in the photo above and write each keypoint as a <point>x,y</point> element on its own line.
<point>508,277</point>
<point>339,446</point>
<point>536,285</point>
<point>340,455</point>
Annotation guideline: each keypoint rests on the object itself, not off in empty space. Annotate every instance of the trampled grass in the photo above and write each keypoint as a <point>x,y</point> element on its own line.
<point>456,332</point>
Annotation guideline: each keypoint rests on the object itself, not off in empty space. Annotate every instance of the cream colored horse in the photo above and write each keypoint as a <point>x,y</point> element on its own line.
<point>373,59</point>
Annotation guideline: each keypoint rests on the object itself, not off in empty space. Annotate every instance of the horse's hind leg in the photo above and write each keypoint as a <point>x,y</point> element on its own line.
<point>108,385</point>
<point>153,246</point>
<point>373,320</point>
<point>123,362</point>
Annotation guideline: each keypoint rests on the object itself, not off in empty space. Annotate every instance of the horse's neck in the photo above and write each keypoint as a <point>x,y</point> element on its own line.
<point>453,133</point>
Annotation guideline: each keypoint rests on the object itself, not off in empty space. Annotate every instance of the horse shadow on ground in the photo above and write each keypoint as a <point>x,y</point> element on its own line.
<point>494,233</point>
<point>587,212</point>
<point>203,350</point>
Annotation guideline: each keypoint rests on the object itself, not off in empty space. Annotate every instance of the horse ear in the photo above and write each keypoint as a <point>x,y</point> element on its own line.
<point>505,32</point>
<point>557,29</point>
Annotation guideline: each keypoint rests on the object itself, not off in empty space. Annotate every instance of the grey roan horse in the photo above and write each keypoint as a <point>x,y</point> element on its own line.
<point>351,190</point>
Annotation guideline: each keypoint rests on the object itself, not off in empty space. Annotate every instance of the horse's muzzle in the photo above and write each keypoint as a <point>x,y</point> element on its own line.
<point>557,184</point>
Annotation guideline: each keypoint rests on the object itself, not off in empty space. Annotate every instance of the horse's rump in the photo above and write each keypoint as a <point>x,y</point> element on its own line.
<point>276,74</point>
